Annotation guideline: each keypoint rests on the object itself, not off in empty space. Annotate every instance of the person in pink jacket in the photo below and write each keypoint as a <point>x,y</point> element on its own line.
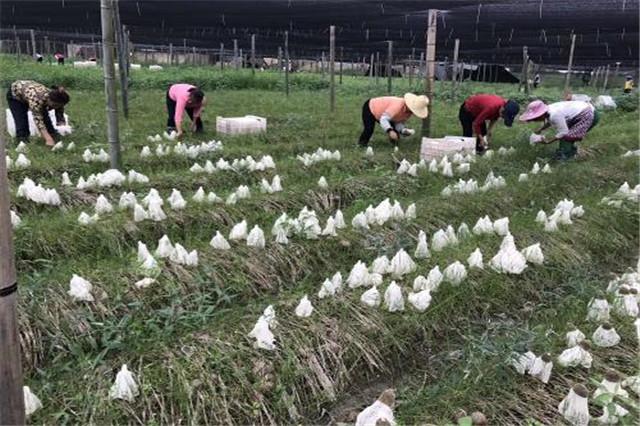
<point>183,97</point>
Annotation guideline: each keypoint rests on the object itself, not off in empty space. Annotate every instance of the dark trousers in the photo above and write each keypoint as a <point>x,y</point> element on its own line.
<point>171,110</point>
<point>20,113</point>
<point>466,119</point>
<point>368,124</point>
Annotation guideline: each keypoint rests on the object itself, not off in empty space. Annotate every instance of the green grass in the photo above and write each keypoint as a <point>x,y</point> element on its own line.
<point>185,337</point>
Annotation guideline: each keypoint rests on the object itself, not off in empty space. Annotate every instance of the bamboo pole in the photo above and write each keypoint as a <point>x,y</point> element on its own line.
<point>389,65</point>
<point>106,15</point>
<point>567,79</point>
<point>430,56</point>
<point>286,58</point>
<point>11,396</point>
<point>122,66</point>
<point>332,67</point>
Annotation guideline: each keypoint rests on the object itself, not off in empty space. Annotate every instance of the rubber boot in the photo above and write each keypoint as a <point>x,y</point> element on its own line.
<point>566,151</point>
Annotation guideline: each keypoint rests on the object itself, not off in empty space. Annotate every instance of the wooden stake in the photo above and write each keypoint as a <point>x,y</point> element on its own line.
<point>33,42</point>
<point>17,44</point>
<point>11,396</point>
<point>106,15</point>
<point>170,53</point>
<point>332,67</point>
<point>567,79</point>
<point>286,59</point>
<point>47,48</point>
<point>221,56</point>
<point>430,56</point>
<point>389,65</point>
<point>371,66</point>
<point>525,69</point>
<point>322,64</point>
<point>606,79</point>
<point>454,70</point>
<point>253,54</point>
<point>341,61</point>
<point>413,56</point>
<point>236,63</point>
<point>377,70</point>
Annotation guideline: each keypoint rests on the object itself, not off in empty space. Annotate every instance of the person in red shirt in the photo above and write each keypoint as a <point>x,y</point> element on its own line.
<point>476,110</point>
<point>391,112</point>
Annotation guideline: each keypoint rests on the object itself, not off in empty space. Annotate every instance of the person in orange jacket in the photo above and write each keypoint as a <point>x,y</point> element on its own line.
<point>391,112</point>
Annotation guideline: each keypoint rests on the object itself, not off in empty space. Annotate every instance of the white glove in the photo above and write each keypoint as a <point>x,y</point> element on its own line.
<point>534,139</point>
<point>408,132</point>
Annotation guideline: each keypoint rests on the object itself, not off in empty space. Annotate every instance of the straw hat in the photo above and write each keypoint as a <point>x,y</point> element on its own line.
<point>417,104</point>
<point>534,110</point>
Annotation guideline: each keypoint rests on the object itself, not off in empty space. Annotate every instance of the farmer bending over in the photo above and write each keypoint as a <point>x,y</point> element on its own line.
<point>476,110</point>
<point>25,95</point>
<point>391,112</point>
<point>181,97</point>
<point>570,119</point>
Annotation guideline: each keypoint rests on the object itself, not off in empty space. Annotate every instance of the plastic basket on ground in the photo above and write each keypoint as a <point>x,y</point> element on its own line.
<point>449,145</point>
<point>33,130</point>
<point>241,125</point>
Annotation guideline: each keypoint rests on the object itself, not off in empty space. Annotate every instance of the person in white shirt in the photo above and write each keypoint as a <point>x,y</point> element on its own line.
<point>570,119</point>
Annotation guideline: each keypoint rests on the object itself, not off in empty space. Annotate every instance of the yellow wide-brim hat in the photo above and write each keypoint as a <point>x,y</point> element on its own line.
<point>417,104</point>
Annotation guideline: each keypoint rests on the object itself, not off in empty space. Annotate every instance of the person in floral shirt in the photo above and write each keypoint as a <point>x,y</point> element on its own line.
<point>24,96</point>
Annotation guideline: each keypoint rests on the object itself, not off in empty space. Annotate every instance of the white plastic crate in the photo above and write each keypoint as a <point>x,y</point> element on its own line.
<point>85,64</point>
<point>33,130</point>
<point>241,125</point>
<point>449,145</point>
<point>580,97</point>
<point>605,102</point>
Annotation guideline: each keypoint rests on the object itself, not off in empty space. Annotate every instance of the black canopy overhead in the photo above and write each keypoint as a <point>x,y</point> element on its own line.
<point>490,30</point>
